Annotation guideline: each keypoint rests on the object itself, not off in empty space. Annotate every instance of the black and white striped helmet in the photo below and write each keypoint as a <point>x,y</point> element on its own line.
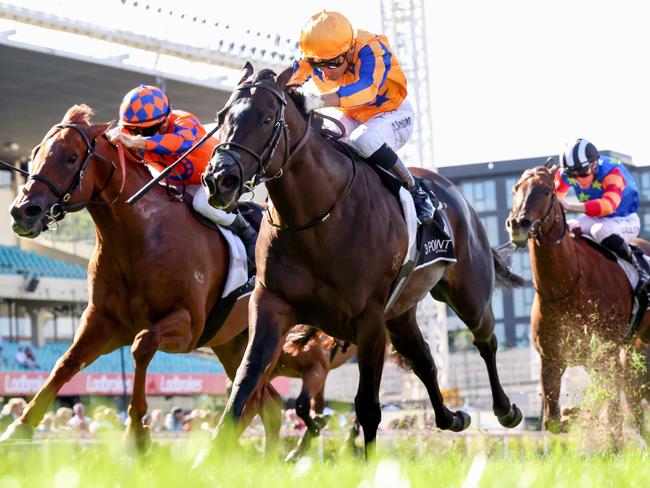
<point>578,155</point>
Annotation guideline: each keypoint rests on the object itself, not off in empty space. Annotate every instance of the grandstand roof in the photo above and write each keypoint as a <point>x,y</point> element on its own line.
<point>13,260</point>
<point>37,87</point>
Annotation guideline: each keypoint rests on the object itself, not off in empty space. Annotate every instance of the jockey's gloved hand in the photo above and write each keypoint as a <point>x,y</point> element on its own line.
<point>312,101</point>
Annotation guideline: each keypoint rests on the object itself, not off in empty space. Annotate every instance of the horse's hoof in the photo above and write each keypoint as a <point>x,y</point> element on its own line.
<point>18,432</point>
<point>555,426</point>
<point>293,456</point>
<point>139,440</point>
<point>461,421</point>
<point>512,419</point>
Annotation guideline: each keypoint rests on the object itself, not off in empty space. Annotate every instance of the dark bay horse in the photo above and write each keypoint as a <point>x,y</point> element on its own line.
<point>583,300</point>
<point>310,354</point>
<point>155,274</point>
<point>331,248</point>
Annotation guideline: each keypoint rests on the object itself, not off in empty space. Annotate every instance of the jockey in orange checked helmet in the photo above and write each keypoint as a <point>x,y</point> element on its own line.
<point>358,73</point>
<point>148,124</point>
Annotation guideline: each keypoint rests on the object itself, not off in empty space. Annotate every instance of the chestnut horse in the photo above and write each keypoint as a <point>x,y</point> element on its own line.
<point>310,354</point>
<point>155,274</point>
<point>583,300</point>
<point>331,248</point>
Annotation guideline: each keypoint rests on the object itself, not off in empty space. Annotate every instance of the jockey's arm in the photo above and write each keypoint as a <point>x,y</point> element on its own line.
<point>613,186</point>
<point>372,71</point>
<point>562,190</point>
<point>178,141</point>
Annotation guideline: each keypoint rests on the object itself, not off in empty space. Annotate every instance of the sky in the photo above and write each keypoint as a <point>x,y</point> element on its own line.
<point>509,78</point>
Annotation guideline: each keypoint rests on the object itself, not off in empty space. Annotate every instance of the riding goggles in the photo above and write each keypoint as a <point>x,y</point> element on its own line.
<point>332,63</point>
<point>580,172</point>
<point>143,131</point>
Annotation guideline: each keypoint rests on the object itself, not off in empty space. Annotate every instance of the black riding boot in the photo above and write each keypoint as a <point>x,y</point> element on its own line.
<point>248,235</point>
<point>623,250</point>
<point>388,159</point>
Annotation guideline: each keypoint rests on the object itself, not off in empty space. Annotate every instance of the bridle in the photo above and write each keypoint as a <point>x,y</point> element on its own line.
<point>59,208</point>
<point>537,225</point>
<point>537,234</point>
<point>280,129</point>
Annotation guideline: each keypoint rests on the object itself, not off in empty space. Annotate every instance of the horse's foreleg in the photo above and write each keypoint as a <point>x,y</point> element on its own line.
<point>371,345</point>
<point>312,381</point>
<point>408,341</point>
<point>271,414</point>
<point>551,373</point>
<point>95,337</point>
<point>172,334</point>
<point>270,318</point>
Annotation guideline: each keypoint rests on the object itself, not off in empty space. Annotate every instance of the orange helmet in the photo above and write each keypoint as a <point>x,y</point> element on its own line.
<point>326,35</point>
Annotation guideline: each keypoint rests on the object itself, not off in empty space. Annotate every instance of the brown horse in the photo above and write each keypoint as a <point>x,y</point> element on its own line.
<point>155,274</point>
<point>331,248</point>
<point>583,300</point>
<point>310,354</point>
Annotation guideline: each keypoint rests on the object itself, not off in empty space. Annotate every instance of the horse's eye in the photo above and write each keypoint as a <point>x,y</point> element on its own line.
<point>72,158</point>
<point>268,119</point>
<point>547,192</point>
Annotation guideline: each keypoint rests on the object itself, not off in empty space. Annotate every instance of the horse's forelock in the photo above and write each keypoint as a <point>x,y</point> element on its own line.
<point>78,114</point>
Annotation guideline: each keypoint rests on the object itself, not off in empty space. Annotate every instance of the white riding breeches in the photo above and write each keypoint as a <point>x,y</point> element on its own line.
<point>393,128</point>
<point>201,205</point>
<point>627,227</point>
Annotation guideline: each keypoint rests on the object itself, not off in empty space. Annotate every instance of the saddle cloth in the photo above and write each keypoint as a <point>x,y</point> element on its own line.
<point>628,268</point>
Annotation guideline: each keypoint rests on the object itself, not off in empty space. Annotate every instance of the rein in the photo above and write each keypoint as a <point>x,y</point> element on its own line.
<point>280,129</point>
<point>58,209</point>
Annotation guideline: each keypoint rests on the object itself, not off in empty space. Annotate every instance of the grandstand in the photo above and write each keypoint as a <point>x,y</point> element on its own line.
<point>13,260</point>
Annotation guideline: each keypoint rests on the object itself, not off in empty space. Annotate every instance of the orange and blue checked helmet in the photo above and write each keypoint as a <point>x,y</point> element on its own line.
<point>144,106</point>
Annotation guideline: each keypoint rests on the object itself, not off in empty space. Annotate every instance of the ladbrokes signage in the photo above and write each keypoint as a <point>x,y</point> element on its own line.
<point>28,383</point>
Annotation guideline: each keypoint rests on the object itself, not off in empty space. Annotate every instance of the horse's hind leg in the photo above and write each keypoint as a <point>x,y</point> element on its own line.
<point>95,337</point>
<point>171,334</point>
<point>408,341</point>
<point>481,324</point>
<point>313,380</point>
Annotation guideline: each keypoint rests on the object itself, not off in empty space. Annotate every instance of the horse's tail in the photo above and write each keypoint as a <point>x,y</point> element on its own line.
<point>298,336</point>
<point>505,277</point>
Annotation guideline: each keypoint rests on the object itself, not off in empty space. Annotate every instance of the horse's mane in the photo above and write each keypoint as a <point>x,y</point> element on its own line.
<point>78,114</point>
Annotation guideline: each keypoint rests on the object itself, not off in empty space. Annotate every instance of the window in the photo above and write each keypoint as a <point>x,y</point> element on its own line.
<point>509,182</point>
<point>645,222</point>
<point>497,304</point>
<point>522,300</point>
<point>500,333</point>
<point>482,195</point>
<point>521,264</point>
<point>644,184</point>
<point>5,179</point>
<point>491,224</point>
<point>522,334</point>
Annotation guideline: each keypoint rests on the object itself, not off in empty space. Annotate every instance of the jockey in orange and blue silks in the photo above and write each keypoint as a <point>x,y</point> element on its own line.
<point>148,124</point>
<point>608,198</point>
<point>357,72</point>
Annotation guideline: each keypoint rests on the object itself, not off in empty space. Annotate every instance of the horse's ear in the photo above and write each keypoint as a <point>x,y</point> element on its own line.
<point>283,78</point>
<point>553,169</point>
<point>97,130</point>
<point>246,72</point>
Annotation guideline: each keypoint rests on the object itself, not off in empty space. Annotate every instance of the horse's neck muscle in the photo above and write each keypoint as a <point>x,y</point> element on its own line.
<point>317,176</point>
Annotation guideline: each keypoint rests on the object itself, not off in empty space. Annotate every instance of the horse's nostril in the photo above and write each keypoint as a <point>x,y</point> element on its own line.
<point>32,211</point>
<point>525,223</point>
<point>229,181</point>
